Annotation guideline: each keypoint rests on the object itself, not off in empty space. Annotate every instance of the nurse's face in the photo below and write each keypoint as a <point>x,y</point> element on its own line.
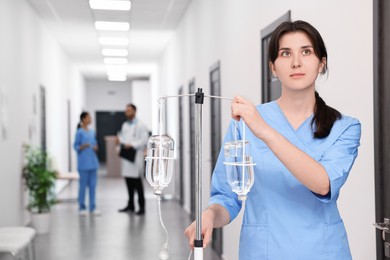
<point>296,66</point>
<point>130,113</point>
<point>87,120</point>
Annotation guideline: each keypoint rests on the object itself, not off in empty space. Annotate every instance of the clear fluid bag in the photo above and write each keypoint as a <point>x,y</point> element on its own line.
<point>159,162</point>
<point>239,167</point>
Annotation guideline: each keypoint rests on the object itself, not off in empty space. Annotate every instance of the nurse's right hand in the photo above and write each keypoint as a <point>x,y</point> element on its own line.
<point>208,217</point>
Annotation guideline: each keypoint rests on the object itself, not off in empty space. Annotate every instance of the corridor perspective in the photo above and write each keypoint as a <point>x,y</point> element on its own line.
<point>247,130</point>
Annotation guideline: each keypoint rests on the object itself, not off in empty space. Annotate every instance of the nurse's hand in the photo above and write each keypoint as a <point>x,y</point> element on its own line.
<point>207,229</point>
<point>245,110</point>
<point>83,146</point>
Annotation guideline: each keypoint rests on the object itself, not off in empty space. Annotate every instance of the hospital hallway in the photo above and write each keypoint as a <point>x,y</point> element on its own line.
<point>114,235</point>
<point>148,88</point>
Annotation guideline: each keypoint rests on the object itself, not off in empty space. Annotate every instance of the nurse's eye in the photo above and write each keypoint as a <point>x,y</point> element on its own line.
<point>306,52</point>
<point>285,53</point>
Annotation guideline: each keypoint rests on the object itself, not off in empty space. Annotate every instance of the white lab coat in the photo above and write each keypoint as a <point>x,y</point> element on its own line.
<point>134,134</point>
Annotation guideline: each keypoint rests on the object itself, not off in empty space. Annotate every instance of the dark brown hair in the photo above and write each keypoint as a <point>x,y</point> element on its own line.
<point>324,115</point>
<point>82,116</point>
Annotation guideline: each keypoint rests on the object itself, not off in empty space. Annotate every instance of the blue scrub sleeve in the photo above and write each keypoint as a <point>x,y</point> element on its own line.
<point>77,141</point>
<point>339,158</point>
<point>221,193</point>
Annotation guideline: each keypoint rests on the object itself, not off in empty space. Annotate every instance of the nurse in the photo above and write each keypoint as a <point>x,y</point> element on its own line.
<point>87,164</point>
<point>303,150</point>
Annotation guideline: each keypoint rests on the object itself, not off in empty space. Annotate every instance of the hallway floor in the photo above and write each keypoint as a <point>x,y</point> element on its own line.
<point>113,236</point>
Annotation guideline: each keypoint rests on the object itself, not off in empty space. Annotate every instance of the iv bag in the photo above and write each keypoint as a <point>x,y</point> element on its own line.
<point>239,167</point>
<point>159,162</point>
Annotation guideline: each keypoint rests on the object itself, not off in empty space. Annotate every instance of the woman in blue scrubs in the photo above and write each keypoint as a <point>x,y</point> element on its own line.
<point>87,164</point>
<point>303,150</point>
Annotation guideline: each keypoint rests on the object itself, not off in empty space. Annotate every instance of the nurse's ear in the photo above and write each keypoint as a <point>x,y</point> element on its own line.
<point>322,67</point>
<point>273,70</point>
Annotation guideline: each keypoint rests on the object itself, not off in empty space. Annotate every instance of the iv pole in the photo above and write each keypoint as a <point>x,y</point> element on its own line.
<point>199,100</point>
<point>198,243</point>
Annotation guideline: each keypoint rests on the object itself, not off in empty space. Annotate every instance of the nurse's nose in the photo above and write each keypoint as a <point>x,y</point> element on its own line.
<point>296,62</point>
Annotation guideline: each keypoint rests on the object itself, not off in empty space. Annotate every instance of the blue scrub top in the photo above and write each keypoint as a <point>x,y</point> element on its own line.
<point>86,158</point>
<point>283,219</point>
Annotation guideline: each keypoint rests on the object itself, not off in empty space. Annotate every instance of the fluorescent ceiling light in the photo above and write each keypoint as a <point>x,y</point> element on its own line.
<point>115,61</point>
<point>110,5</point>
<point>115,52</point>
<point>117,78</point>
<point>114,41</point>
<point>112,26</point>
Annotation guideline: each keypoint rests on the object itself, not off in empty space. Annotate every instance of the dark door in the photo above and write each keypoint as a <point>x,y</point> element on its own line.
<point>42,95</point>
<point>271,87</point>
<point>181,150</point>
<point>69,135</point>
<point>215,90</point>
<point>107,123</point>
<point>382,125</point>
<point>191,90</point>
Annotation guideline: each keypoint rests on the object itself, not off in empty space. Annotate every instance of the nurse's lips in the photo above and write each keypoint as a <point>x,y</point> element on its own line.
<point>297,75</point>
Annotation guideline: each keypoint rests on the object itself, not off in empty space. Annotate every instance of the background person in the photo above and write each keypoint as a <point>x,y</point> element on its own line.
<point>85,145</point>
<point>133,135</point>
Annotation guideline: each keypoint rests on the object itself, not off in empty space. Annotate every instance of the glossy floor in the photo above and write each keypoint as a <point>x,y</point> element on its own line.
<point>113,236</point>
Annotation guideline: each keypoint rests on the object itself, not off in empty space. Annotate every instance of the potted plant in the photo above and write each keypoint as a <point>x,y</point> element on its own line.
<point>40,181</point>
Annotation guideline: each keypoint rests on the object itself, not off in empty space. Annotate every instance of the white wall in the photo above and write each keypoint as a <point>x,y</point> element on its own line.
<point>30,58</point>
<point>104,95</point>
<point>142,98</point>
<point>229,31</point>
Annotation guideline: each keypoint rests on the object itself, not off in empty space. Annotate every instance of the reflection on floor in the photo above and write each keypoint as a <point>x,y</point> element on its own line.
<point>113,236</point>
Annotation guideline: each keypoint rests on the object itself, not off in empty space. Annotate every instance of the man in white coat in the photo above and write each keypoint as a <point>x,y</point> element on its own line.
<point>134,134</point>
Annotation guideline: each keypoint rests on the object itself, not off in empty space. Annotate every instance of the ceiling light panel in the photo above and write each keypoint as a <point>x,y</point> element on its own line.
<point>115,52</point>
<point>110,5</point>
<point>112,26</point>
<point>115,61</point>
<point>114,41</point>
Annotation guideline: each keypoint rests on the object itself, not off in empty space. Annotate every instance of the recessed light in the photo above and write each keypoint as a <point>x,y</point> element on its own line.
<point>110,5</point>
<point>117,78</point>
<point>115,61</point>
<point>112,26</point>
<point>115,52</point>
<point>114,41</point>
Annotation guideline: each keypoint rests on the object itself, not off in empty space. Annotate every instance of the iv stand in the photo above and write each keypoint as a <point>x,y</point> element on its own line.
<point>198,243</point>
<point>199,100</point>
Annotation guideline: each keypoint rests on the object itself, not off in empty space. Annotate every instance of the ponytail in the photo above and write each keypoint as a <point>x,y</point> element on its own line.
<point>324,118</point>
<point>82,116</point>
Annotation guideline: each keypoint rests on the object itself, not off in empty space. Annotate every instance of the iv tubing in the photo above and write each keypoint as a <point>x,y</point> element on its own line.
<point>243,155</point>
<point>162,223</point>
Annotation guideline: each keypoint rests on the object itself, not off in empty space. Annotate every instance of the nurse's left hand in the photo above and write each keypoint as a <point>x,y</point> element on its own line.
<point>245,110</point>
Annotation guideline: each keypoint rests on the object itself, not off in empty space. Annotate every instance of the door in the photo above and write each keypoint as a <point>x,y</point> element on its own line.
<point>382,125</point>
<point>42,95</point>
<point>215,90</point>
<point>107,123</point>
<point>70,146</point>
<point>191,90</point>
<point>271,87</point>
<point>181,150</point>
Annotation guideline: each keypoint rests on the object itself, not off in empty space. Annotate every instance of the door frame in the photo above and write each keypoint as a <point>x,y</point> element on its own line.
<point>191,90</point>
<point>216,142</point>
<point>381,113</point>
<point>265,71</point>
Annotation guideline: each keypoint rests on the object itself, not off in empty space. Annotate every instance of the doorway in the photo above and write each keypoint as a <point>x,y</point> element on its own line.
<point>191,90</point>
<point>382,122</point>
<point>271,88</point>
<point>107,123</point>
<point>216,143</point>
<point>42,95</point>
<point>180,182</point>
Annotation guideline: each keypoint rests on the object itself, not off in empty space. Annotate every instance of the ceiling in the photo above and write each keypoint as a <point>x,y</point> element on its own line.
<point>152,23</point>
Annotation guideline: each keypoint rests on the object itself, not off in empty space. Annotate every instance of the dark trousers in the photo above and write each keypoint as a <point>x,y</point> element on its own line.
<point>135,184</point>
